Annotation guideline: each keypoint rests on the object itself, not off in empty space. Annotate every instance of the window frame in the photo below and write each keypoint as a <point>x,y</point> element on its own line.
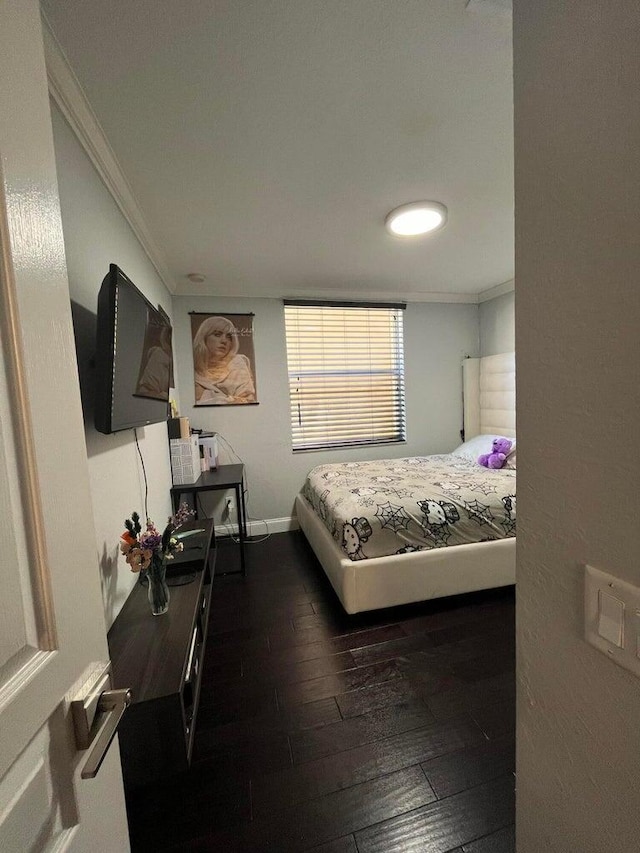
<point>387,400</point>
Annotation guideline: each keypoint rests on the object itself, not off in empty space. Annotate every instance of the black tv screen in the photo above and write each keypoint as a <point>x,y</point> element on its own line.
<point>134,360</point>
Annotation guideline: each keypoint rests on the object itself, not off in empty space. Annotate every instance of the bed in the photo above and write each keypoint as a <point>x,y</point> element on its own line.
<point>395,531</point>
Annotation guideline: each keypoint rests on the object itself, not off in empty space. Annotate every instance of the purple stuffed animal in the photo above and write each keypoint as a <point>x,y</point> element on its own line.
<point>498,456</point>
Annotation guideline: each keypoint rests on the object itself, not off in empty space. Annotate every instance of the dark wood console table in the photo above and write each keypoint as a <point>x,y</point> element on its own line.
<point>223,477</point>
<point>160,658</point>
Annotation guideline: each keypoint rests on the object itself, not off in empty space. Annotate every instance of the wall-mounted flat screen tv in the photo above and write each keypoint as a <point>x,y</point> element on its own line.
<point>134,359</point>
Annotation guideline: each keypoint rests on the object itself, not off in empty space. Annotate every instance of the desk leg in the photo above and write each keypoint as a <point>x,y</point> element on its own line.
<point>244,509</point>
<point>242,522</point>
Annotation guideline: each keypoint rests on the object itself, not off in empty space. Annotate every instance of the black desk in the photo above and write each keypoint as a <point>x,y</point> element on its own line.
<point>224,477</point>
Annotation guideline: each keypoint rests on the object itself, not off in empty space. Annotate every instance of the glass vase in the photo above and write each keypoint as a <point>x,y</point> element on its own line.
<point>158,591</point>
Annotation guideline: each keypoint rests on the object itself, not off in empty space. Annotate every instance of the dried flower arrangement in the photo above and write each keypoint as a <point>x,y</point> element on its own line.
<point>140,547</point>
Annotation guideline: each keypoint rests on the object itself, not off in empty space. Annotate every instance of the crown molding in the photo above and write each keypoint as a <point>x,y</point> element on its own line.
<point>67,93</point>
<point>397,295</point>
<point>184,289</point>
<point>497,290</point>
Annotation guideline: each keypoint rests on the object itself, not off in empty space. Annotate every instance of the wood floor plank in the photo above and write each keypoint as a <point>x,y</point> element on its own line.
<point>337,737</point>
<point>286,636</point>
<point>501,659</point>
<point>361,764</point>
<point>459,697</point>
<point>342,642</point>
<point>237,636</point>
<point>317,821</point>
<point>458,651</point>
<point>177,809</point>
<point>412,684</point>
<point>262,754</point>
<point>503,841</point>
<point>287,720</point>
<point>333,685</point>
<point>260,589</point>
<point>347,844</point>
<point>496,720</point>
<point>498,622</point>
<point>454,772</point>
<point>444,825</point>
<point>333,619</point>
<point>391,649</point>
<point>461,610</point>
<point>369,637</point>
<point>288,655</point>
<point>378,696</point>
<point>275,671</point>
<point>264,615</point>
<point>236,702</point>
<point>239,651</point>
<point>223,672</point>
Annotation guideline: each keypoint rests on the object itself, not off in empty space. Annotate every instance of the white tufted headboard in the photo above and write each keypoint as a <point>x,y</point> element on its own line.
<point>489,389</point>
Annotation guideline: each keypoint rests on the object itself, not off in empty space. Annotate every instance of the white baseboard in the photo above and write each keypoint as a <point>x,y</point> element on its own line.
<point>260,528</point>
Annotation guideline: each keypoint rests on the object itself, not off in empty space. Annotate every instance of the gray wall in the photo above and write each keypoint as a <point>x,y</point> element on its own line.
<point>497,325</point>
<point>437,337</point>
<point>577,72</point>
<point>95,235</point>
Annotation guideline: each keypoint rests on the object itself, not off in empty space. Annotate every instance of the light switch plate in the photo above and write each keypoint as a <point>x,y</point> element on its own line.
<point>602,590</point>
<point>611,618</point>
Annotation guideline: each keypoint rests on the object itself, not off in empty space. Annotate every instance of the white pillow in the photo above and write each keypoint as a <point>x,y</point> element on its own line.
<point>475,447</point>
<point>510,461</point>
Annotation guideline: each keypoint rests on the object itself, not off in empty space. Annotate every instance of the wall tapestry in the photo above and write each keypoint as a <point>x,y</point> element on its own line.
<point>224,367</point>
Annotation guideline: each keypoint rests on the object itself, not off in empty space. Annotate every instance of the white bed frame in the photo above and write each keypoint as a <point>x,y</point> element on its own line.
<point>489,408</point>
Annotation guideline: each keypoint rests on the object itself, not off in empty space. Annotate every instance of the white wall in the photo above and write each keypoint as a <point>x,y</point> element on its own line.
<point>437,337</point>
<point>577,137</point>
<point>497,325</point>
<point>95,235</point>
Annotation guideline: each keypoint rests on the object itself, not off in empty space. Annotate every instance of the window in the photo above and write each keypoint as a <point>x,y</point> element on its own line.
<point>346,374</point>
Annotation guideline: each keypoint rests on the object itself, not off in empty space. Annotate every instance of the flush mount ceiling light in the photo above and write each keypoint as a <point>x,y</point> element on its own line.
<point>419,217</point>
<point>196,277</point>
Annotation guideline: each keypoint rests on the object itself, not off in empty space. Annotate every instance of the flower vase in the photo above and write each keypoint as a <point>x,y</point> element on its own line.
<point>158,591</point>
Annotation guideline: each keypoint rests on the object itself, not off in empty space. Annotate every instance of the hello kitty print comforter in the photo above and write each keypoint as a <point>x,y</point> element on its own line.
<point>393,506</point>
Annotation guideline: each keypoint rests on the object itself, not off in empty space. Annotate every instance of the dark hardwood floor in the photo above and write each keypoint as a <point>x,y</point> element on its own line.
<point>385,732</point>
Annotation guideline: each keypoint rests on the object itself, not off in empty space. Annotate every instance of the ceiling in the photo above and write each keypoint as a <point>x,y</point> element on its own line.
<point>265,141</point>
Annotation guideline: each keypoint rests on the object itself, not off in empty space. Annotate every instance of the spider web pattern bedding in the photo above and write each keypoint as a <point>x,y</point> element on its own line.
<point>394,506</point>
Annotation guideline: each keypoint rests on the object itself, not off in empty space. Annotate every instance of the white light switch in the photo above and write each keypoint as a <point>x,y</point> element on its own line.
<point>611,618</point>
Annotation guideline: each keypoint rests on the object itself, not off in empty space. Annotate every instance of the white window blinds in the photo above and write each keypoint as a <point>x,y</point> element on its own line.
<point>346,374</point>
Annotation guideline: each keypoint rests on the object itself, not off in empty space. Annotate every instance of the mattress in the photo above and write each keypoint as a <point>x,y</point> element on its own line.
<point>396,506</point>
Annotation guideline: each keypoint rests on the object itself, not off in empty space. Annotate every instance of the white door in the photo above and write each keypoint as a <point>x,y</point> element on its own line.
<point>52,630</point>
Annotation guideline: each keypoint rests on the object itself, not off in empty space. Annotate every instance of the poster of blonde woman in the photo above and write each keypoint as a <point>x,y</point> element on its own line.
<point>223,359</point>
